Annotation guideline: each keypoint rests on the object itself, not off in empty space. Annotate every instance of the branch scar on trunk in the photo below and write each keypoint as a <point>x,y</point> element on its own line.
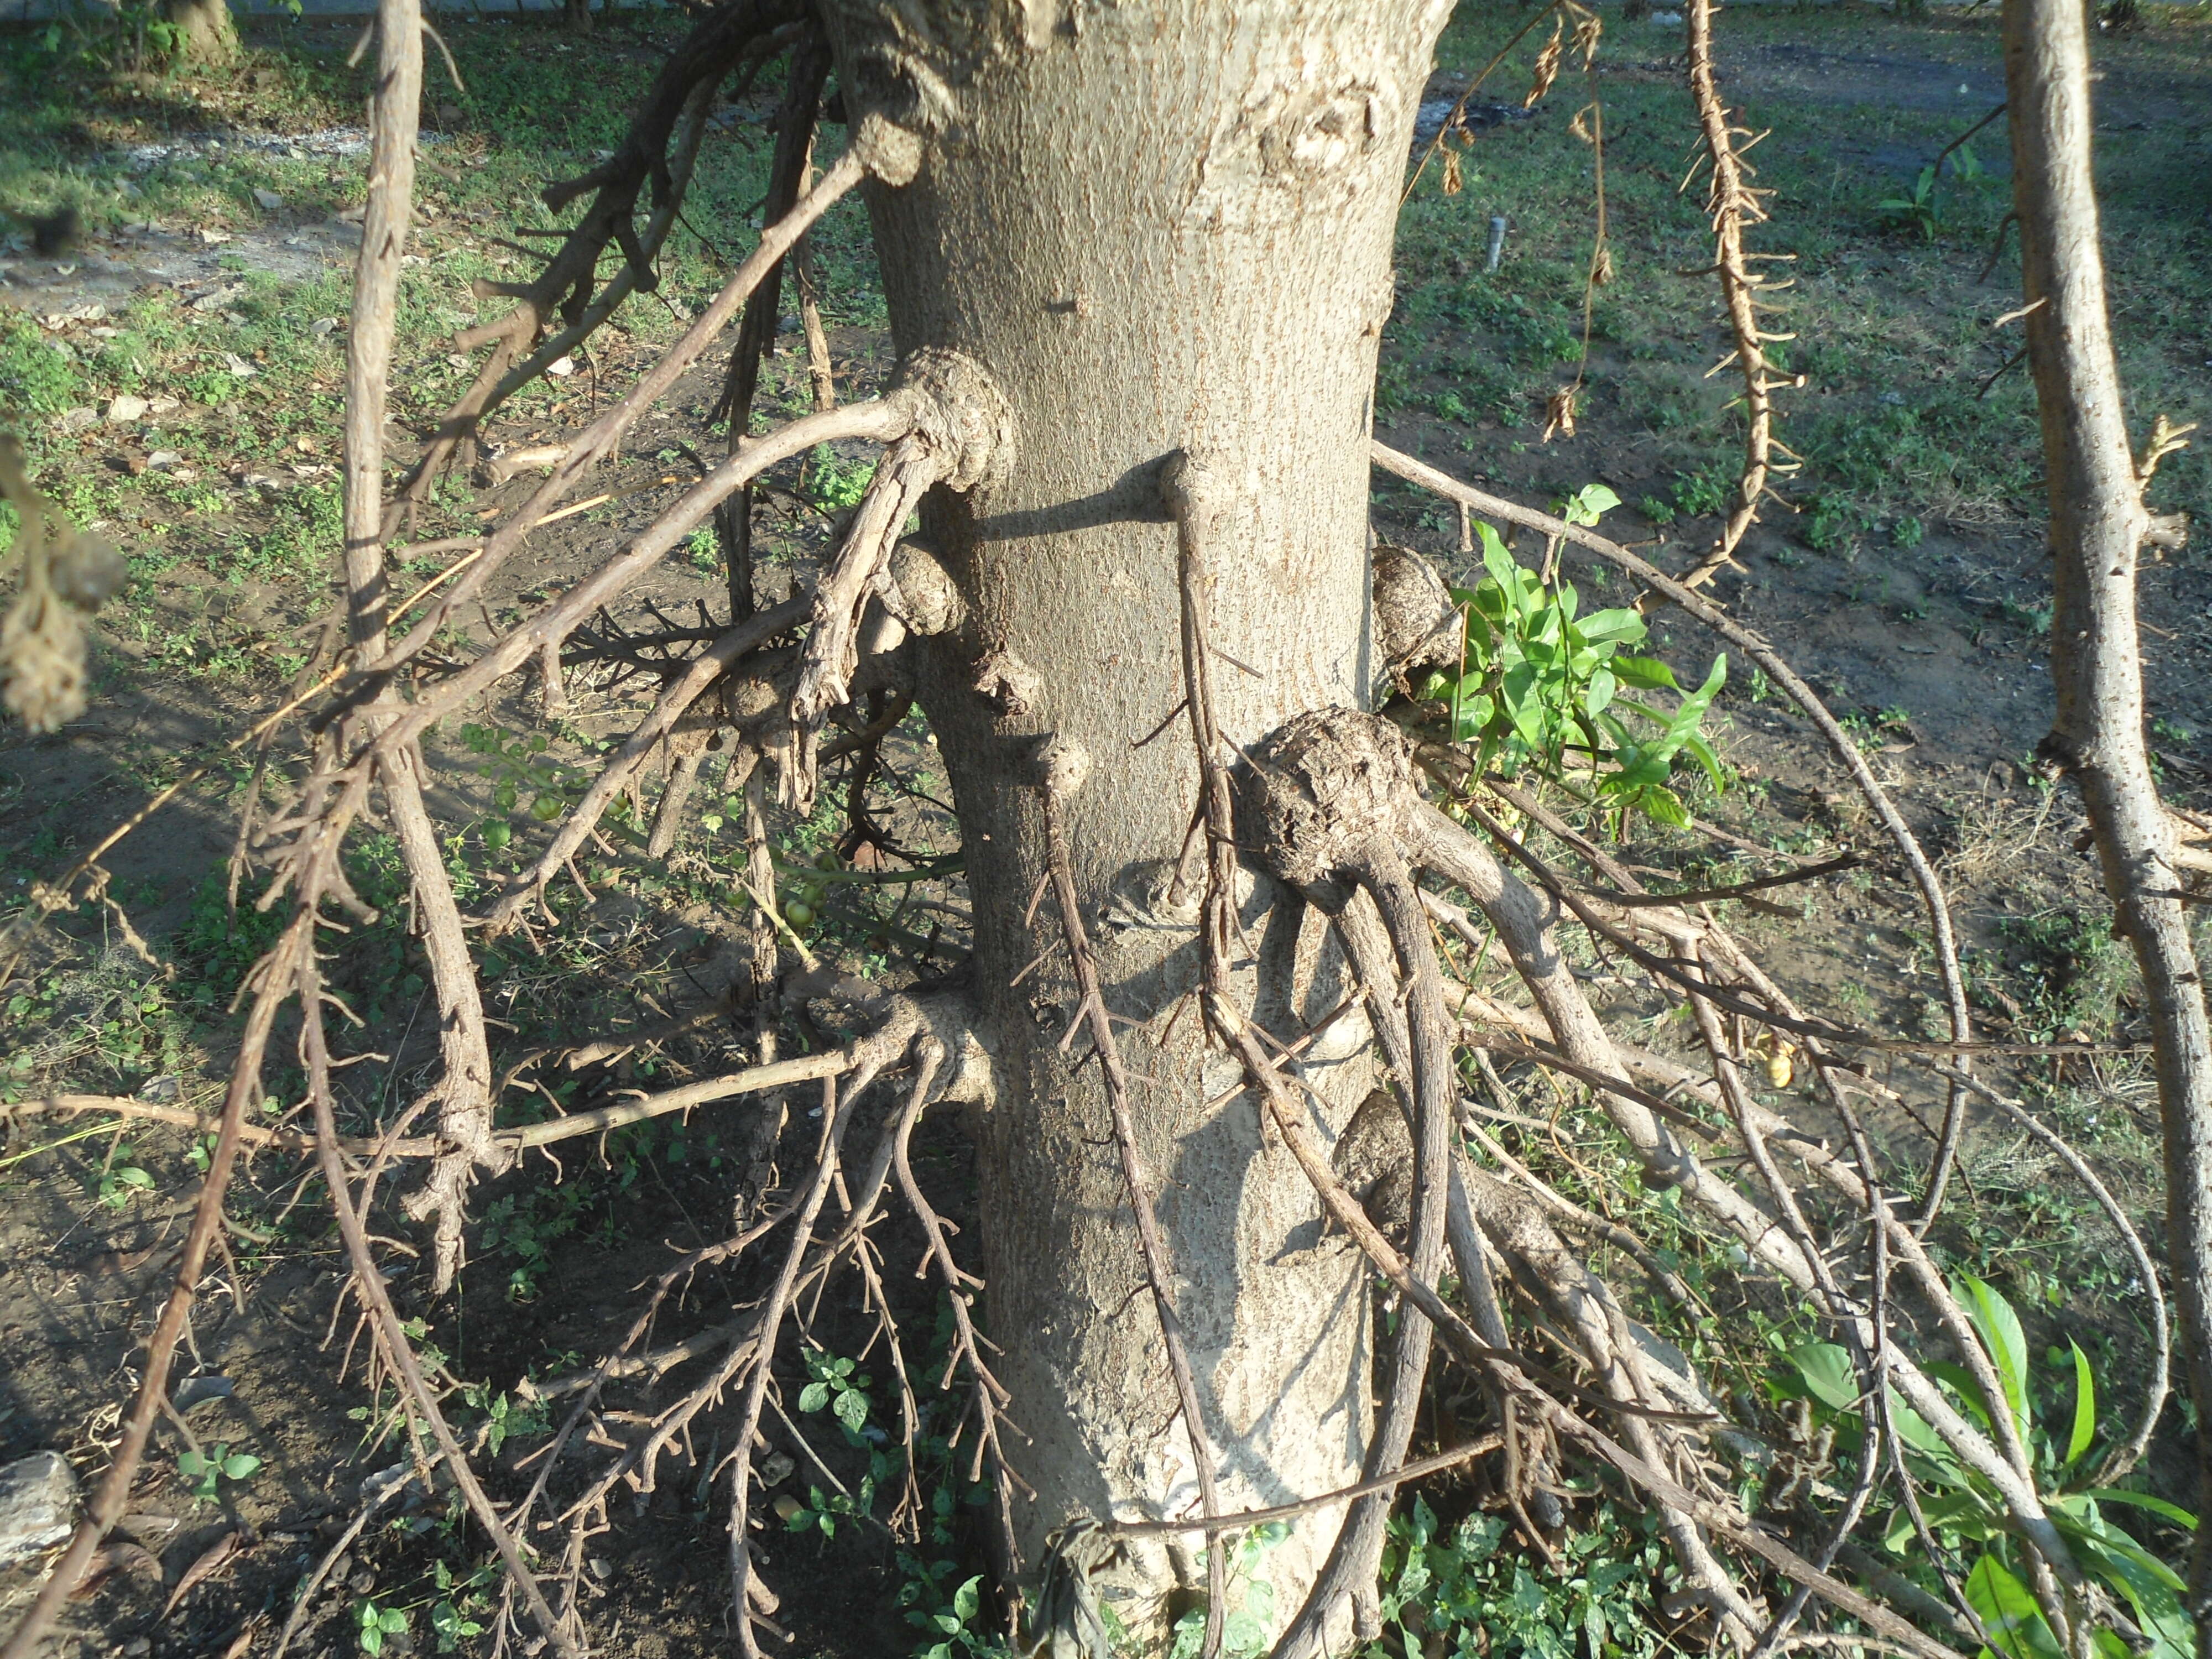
<point>963,435</point>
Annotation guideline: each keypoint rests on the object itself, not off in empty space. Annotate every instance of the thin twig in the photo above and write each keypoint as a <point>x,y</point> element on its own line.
<point>1420,1469</point>
<point>368,1285</point>
<point>1157,1270</point>
<point>109,1502</point>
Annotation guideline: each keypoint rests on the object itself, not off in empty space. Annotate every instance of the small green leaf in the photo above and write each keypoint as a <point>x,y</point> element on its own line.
<point>2008,1611</point>
<point>1998,1327</point>
<point>1586,506</point>
<point>1646,673</point>
<point>240,1466</point>
<point>2157,1506</point>
<point>1693,710</point>
<point>1619,627</point>
<point>851,1409</point>
<point>814,1396</point>
<point>2085,1406</point>
<point>1495,559</point>
<point>1828,1375</point>
<point>965,1600</point>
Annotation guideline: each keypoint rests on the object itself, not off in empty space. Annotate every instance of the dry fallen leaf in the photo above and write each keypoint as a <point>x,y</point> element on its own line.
<point>213,1560</point>
<point>116,1555</point>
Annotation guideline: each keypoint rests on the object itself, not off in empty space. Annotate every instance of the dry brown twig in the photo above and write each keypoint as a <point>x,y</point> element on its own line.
<point>1733,203</point>
<point>678,105</point>
<point>399,1354</point>
<point>877,148</point>
<point>108,1502</point>
<point>1062,771</point>
<point>67,576</point>
<point>789,173</point>
<point>463,1088</point>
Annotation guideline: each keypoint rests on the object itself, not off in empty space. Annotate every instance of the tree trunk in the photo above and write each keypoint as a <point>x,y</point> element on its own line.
<point>1157,228</point>
<point>205,33</point>
<point>2098,526</point>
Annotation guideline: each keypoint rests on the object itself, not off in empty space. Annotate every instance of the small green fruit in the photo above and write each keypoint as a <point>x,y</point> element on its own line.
<point>799,913</point>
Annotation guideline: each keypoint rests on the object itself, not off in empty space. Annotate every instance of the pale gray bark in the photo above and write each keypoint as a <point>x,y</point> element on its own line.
<point>2098,526</point>
<point>1157,229</point>
<point>464,1092</point>
<point>206,34</point>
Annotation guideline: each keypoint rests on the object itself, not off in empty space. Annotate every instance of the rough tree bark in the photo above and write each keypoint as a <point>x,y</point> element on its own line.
<point>206,34</point>
<point>1157,228</point>
<point>464,1094</point>
<point>2098,527</point>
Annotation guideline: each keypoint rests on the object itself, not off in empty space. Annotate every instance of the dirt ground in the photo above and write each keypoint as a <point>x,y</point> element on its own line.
<point>1931,648</point>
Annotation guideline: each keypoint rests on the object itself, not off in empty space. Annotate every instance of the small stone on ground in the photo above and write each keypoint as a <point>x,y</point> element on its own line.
<point>37,1506</point>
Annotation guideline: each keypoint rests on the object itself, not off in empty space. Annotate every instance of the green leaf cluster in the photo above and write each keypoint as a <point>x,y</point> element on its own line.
<point>1456,1592</point>
<point>1251,1614</point>
<point>1545,687</point>
<point>833,1384</point>
<point>375,1626</point>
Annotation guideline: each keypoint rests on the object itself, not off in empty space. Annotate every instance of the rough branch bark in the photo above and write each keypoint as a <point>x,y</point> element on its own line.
<point>465,1078</point>
<point>2098,526</point>
<point>787,176</point>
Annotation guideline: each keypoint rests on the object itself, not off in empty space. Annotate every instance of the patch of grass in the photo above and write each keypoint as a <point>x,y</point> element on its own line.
<point>1891,330</point>
<point>2075,972</point>
<point>38,373</point>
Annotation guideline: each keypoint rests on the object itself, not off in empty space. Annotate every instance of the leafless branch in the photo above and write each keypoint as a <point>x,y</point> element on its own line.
<point>1733,204</point>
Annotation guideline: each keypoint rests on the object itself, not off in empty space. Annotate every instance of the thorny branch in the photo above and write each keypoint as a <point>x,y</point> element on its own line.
<point>1733,204</point>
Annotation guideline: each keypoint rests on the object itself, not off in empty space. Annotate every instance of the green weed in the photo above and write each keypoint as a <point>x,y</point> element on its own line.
<point>1969,1517</point>
<point>1545,687</point>
<point>1454,1591</point>
<point>374,1626</point>
<point>38,373</point>
<point>203,1471</point>
<point>837,485</point>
